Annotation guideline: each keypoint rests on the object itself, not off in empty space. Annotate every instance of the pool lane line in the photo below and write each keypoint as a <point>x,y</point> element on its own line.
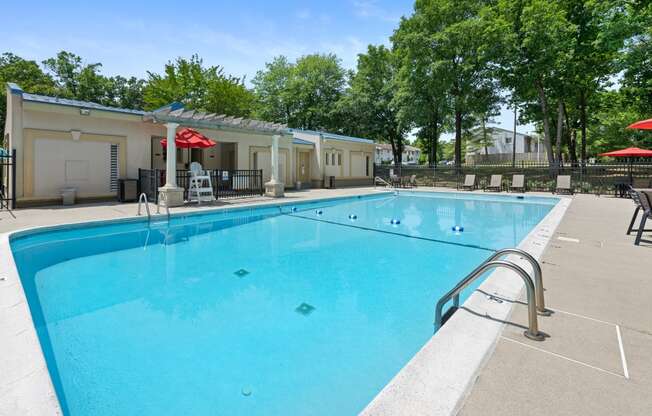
<point>434,240</point>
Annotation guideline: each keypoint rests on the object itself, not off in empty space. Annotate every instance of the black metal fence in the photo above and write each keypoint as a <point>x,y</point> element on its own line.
<point>8,180</point>
<point>226,183</point>
<point>594,178</point>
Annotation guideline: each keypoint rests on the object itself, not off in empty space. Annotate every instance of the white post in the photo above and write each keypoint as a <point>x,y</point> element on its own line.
<point>171,163</point>
<point>170,194</point>
<point>274,159</point>
<point>274,187</point>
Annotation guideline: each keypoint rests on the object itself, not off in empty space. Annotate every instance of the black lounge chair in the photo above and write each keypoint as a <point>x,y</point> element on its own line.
<point>564,185</point>
<point>645,199</point>
<point>469,183</point>
<point>495,183</point>
<point>518,183</point>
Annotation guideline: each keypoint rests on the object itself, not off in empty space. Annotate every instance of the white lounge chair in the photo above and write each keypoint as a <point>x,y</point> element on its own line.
<point>495,184</point>
<point>564,184</point>
<point>518,183</point>
<point>200,187</point>
<point>469,183</point>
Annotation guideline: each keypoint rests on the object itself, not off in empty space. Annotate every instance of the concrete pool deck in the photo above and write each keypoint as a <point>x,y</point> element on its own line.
<point>578,369</point>
<point>598,358</point>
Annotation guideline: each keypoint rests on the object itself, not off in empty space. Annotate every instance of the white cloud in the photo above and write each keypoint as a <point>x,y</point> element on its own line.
<point>371,9</point>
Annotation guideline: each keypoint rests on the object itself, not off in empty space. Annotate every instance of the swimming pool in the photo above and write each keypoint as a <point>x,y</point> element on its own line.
<point>293,309</point>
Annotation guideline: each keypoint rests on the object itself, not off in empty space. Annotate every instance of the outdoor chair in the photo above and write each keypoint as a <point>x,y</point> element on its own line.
<point>645,199</point>
<point>518,183</point>
<point>469,183</point>
<point>495,183</point>
<point>395,180</point>
<point>413,181</point>
<point>564,184</point>
<point>200,187</point>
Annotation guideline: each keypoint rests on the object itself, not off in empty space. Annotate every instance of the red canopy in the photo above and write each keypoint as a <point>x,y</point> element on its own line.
<point>188,138</point>
<point>641,125</point>
<point>629,152</point>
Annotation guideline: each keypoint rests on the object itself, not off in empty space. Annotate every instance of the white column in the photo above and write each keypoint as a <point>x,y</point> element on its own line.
<point>274,188</point>
<point>171,163</point>
<point>274,159</point>
<point>170,194</point>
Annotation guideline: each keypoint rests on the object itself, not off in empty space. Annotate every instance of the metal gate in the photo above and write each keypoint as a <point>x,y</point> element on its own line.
<point>7,179</point>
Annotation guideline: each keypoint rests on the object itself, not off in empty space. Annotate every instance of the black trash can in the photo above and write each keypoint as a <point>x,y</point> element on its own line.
<point>128,190</point>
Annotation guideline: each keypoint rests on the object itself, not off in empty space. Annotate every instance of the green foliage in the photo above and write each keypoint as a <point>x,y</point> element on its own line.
<point>27,74</point>
<point>303,94</point>
<point>369,104</point>
<point>197,87</point>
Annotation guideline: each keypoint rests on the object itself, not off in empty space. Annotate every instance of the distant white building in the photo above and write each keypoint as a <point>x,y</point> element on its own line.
<point>500,146</point>
<point>384,154</point>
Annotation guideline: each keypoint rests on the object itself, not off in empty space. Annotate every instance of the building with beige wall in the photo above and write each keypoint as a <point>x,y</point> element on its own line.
<point>68,143</point>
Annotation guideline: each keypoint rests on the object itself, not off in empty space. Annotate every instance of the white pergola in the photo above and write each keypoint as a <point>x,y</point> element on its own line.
<point>173,116</point>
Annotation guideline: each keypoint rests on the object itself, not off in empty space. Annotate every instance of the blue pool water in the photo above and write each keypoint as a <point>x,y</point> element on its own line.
<point>256,311</point>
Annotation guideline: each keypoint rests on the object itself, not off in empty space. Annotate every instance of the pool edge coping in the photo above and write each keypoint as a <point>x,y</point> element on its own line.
<point>34,392</point>
<point>441,375</point>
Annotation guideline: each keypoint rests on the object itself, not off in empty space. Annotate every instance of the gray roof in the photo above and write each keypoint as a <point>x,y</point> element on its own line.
<point>175,113</point>
<point>296,140</point>
<point>333,136</point>
<point>15,89</point>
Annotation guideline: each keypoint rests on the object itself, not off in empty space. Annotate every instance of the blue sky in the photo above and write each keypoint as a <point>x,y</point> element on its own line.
<point>132,37</point>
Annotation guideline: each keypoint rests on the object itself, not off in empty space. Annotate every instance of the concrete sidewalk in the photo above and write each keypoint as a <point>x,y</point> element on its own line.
<point>597,359</point>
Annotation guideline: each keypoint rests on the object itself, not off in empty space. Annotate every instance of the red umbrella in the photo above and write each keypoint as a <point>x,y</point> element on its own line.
<point>188,138</point>
<point>642,125</point>
<point>629,152</point>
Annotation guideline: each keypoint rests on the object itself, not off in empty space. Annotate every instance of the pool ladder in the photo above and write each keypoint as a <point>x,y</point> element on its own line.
<point>534,290</point>
<point>143,199</point>
<point>383,181</point>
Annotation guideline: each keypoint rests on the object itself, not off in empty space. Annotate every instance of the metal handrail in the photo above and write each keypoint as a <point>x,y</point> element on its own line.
<point>378,178</point>
<point>533,326</point>
<point>143,196</point>
<point>538,276</point>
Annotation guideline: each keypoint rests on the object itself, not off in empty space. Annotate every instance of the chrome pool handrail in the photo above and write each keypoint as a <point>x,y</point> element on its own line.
<point>538,275</point>
<point>143,196</point>
<point>378,178</point>
<point>533,326</point>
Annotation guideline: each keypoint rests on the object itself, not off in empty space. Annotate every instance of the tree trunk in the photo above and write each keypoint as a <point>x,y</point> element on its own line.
<point>435,142</point>
<point>514,139</point>
<point>458,138</point>
<point>547,139</point>
<point>560,130</point>
<point>583,127</point>
<point>571,135</point>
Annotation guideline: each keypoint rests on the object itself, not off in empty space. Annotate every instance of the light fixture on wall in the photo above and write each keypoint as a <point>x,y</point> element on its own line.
<point>85,111</point>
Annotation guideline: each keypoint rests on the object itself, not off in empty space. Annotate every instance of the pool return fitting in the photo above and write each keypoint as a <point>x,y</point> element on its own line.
<point>534,290</point>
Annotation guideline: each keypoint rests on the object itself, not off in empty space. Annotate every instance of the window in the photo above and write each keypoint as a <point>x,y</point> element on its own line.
<point>328,155</point>
<point>339,159</point>
<point>508,139</point>
<point>367,167</point>
<point>196,155</point>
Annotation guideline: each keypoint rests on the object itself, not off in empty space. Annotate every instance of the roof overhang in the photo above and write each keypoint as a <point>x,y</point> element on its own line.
<point>199,119</point>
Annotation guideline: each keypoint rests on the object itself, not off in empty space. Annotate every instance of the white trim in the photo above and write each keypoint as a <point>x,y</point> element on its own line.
<point>562,357</point>
<point>622,352</point>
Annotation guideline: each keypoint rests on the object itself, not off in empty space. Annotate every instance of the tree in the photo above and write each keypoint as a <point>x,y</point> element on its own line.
<point>303,94</point>
<point>421,86</point>
<point>455,35</point>
<point>27,74</point>
<point>197,87</point>
<point>271,91</point>
<point>534,43</point>
<point>370,103</point>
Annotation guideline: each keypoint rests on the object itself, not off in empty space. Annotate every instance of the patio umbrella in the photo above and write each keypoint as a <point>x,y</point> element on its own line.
<point>190,138</point>
<point>629,153</point>
<point>642,125</point>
